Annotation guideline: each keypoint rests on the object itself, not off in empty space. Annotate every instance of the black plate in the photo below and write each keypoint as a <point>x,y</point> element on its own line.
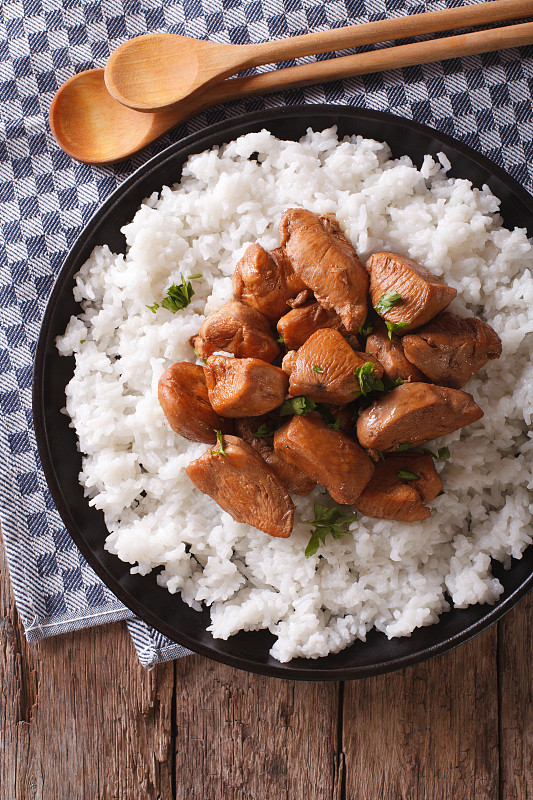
<point>57,442</point>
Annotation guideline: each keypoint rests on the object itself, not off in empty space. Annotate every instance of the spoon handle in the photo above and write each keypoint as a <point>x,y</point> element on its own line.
<point>387,30</point>
<point>406,55</point>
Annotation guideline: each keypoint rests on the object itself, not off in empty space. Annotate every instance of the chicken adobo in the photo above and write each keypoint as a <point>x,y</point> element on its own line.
<point>308,443</point>
<point>327,263</point>
<point>450,349</point>
<point>245,486</point>
<point>399,487</point>
<point>348,393</point>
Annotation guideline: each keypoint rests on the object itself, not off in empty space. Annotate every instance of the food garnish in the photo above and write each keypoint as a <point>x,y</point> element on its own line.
<point>367,380</point>
<point>329,419</point>
<point>178,296</point>
<point>316,368</point>
<point>220,449</point>
<point>394,327</point>
<point>407,475</point>
<point>327,520</point>
<point>387,301</point>
<point>366,328</point>
<point>263,431</point>
<point>443,453</point>
<point>300,405</point>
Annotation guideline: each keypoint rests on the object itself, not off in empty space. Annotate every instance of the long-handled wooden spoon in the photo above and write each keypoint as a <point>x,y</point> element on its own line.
<point>154,71</point>
<point>92,127</point>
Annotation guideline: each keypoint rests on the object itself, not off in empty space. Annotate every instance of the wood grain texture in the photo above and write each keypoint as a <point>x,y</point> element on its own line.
<point>515,659</point>
<point>427,732</point>
<point>79,717</point>
<point>247,737</point>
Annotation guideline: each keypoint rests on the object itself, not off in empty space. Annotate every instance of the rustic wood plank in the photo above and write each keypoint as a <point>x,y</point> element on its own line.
<point>79,717</point>
<point>515,658</point>
<point>248,737</point>
<point>427,732</point>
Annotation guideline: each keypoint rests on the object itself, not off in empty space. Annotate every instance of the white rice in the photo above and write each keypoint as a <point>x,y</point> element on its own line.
<point>390,575</point>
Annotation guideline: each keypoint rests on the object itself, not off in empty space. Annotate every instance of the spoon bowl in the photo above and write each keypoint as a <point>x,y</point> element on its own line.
<point>91,126</point>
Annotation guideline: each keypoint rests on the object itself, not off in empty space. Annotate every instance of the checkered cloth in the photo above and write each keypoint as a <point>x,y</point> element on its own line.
<point>46,199</point>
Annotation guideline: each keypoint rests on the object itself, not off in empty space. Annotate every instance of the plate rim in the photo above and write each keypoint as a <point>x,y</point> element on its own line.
<point>302,669</point>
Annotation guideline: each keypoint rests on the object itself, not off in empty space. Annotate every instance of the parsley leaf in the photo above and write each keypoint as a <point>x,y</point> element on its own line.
<point>366,328</point>
<point>329,419</point>
<point>392,384</point>
<point>327,520</point>
<point>153,308</point>
<point>367,380</point>
<point>387,301</point>
<point>442,455</point>
<point>263,431</point>
<point>220,449</point>
<point>280,340</point>
<point>394,327</point>
<point>179,296</point>
<point>300,405</point>
<point>316,368</point>
<point>403,446</point>
<point>407,475</point>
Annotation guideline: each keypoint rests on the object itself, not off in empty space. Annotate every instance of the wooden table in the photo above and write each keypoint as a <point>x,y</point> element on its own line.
<point>81,720</point>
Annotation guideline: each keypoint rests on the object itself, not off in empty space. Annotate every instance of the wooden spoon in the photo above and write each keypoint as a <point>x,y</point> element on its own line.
<point>93,127</point>
<point>154,71</point>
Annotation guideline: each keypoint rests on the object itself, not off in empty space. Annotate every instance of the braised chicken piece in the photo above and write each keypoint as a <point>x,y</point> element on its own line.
<point>266,281</point>
<point>327,456</point>
<point>415,413</point>
<point>450,349</point>
<point>422,295</point>
<point>244,387</point>
<point>245,486</point>
<point>325,369</point>
<point>289,360</point>
<point>259,433</point>
<point>327,263</point>
<point>182,393</point>
<point>390,354</point>
<point>298,325</point>
<point>399,488</point>
<point>239,329</point>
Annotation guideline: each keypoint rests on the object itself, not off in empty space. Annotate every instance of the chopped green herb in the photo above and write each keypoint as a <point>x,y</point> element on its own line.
<point>443,453</point>
<point>392,384</point>
<point>394,327</point>
<point>366,328</point>
<point>329,419</point>
<point>387,301</point>
<point>263,431</point>
<point>300,405</point>
<point>407,475</point>
<point>315,368</point>
<point>380,455</point>
<point>280,340</point>
<point>368,382</point>
<point>179,296</point>
<point>194,277</point>
<point>327,520</point>
<point>153,308</point>
<point>403,446</point>
<point>82,341</point>
<point>220,448</point>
